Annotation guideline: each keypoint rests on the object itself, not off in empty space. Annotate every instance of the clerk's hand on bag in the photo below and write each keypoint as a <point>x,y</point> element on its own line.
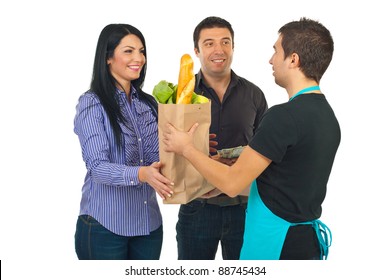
<point>177,141</point>
<point>152,175</point>
<point>212,193</point>
<point>212,143</point>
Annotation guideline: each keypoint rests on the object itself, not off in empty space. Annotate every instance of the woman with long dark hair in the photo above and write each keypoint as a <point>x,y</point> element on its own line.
<point>116,123</point>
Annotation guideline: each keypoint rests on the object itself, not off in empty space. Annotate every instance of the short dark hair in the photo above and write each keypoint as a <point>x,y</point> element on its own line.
<point>312,42</point>
<point>211,22</point>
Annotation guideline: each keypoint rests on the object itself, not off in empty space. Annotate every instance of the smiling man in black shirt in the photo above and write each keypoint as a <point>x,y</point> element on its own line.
<point>237,107</point>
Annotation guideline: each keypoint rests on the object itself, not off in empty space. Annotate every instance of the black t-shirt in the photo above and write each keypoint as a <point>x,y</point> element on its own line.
<point>301,138</point>
<point>235,119</point>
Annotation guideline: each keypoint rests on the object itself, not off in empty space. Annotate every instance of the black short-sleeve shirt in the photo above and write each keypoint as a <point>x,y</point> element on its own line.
<point>301,138</point>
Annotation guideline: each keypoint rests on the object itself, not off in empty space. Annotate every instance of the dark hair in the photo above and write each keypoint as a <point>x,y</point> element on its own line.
<point>211,22</point>
<point>312,42</point>
<point>103,84</point>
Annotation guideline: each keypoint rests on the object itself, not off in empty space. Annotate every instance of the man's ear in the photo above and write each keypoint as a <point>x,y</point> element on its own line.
<point>295,60</point>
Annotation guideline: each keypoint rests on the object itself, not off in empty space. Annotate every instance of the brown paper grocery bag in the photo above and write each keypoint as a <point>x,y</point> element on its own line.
<point>188,183</point>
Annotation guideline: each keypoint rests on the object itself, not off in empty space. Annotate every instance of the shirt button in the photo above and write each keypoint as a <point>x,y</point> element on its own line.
<point>132,182</point>
<point>145,202</point>
<point>139,139</point>
<point>141,160</point>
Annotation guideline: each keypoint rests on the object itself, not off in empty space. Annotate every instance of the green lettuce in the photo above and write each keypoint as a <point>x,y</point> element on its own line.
<point>163,91</point>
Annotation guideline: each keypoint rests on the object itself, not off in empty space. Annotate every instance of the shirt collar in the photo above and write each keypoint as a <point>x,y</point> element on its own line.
<point>121,96</point>
<point>134,92</point>
<point>200,80</point>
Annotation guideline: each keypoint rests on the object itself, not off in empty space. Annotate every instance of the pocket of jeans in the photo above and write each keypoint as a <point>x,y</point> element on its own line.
<point>191,208</point>
<point>89,220</point>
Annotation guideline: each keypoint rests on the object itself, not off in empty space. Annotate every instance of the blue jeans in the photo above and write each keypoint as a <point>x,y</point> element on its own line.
<point>95,242</point>
<point>201,226</point>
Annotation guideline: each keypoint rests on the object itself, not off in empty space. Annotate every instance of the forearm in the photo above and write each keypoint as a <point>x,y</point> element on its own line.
<point>216,173</point>
<point>246,191</point>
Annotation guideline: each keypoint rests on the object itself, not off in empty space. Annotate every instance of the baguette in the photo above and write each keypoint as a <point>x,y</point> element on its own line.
<point>186,80</point>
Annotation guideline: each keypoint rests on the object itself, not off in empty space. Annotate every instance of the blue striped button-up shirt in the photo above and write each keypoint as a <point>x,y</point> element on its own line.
<point>112,192</point>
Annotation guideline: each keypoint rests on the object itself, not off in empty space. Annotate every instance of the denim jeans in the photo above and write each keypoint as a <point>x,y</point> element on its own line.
<point>95,242</point>
<point>201,226</point>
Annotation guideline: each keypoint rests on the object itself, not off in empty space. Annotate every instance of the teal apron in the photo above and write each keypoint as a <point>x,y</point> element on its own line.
<point>265,233</point>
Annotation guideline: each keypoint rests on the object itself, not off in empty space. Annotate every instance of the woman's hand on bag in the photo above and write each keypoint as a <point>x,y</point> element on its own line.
<point>152,175</point>
<point>177,141</point>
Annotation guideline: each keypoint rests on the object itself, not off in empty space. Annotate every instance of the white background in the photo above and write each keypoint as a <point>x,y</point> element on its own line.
<point>47,50</point>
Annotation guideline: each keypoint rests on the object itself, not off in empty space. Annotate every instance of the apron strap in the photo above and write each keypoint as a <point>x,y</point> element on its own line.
<point>324,236</point>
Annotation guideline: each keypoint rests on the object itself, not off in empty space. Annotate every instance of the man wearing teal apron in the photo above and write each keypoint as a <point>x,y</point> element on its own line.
<point>285,201</point>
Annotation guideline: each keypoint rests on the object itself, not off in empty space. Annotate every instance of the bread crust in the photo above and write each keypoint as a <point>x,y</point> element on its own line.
<point>186,80</point>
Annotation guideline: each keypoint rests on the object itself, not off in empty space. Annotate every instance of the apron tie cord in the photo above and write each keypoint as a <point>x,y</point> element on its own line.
<point>324,236</point>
